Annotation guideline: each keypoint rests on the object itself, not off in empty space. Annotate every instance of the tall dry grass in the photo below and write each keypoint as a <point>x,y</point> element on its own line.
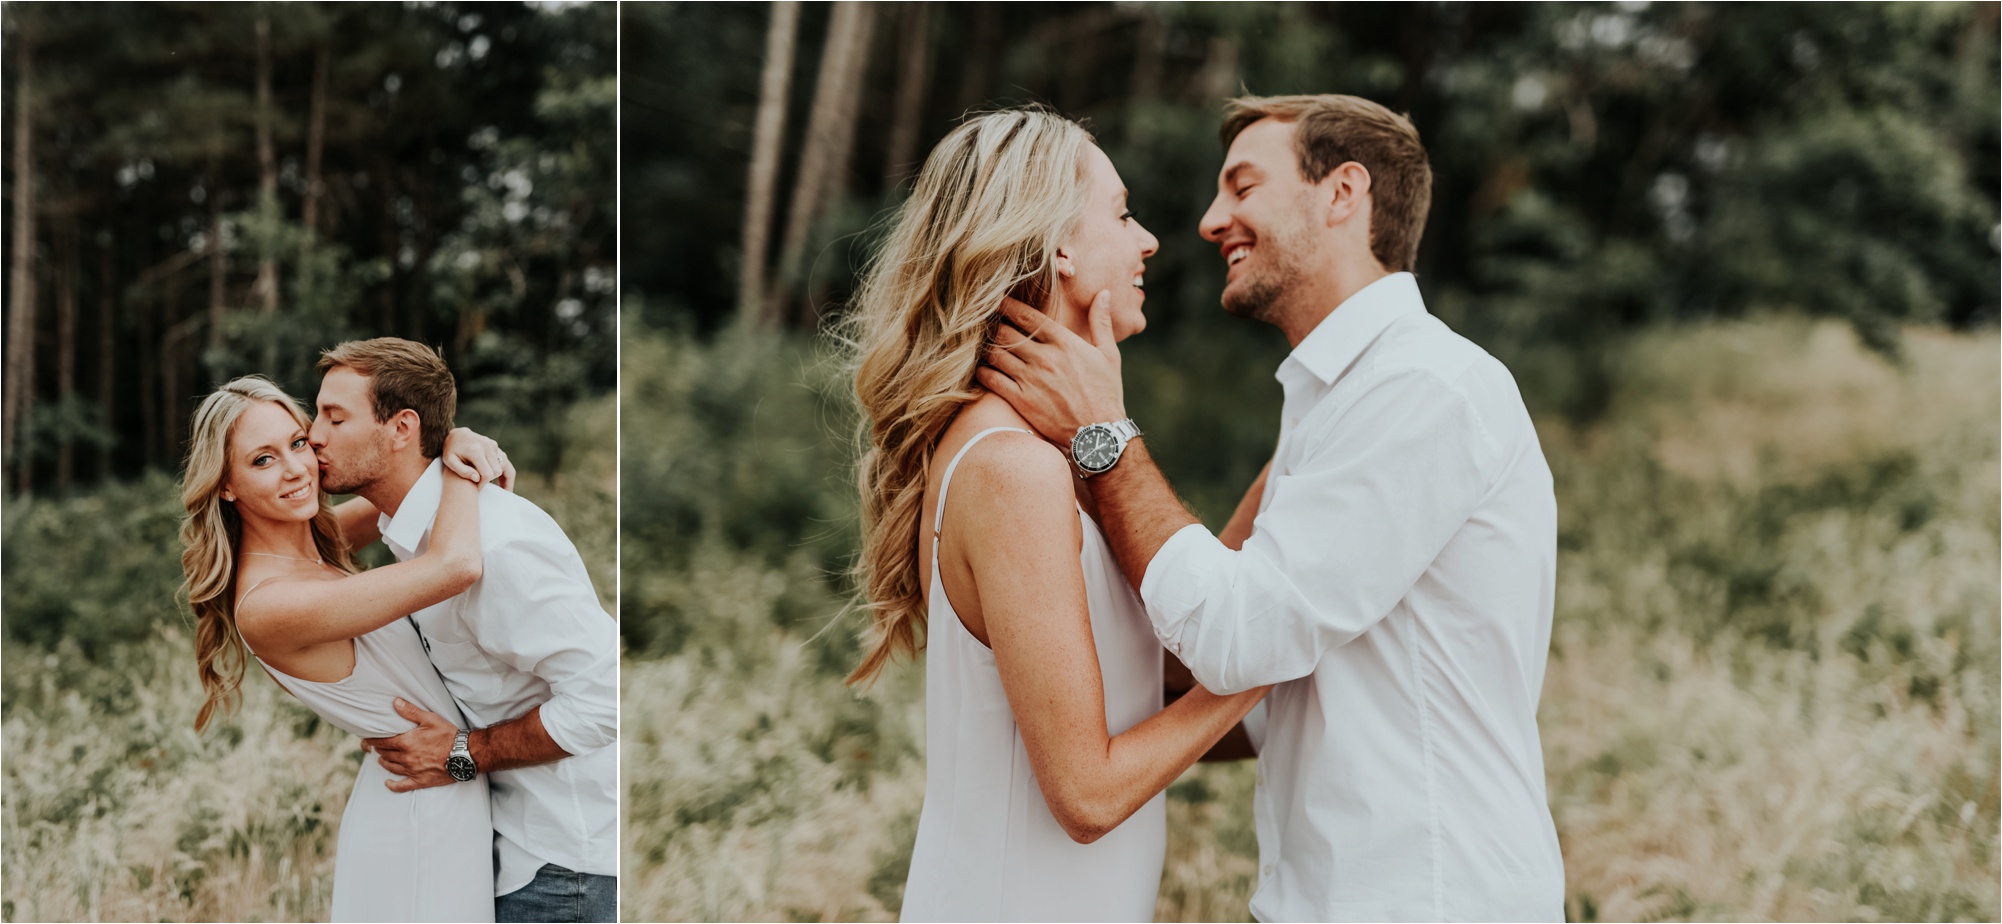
<point>1772,689</point>
<point>114,808</point>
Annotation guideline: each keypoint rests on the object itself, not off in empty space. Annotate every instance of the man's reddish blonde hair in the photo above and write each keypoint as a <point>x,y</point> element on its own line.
<point>403,374</point>
<point>1331,130</point>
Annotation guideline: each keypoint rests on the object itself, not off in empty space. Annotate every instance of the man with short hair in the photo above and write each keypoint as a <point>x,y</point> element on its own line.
<point>527,651</point>
<point>1392,570</point>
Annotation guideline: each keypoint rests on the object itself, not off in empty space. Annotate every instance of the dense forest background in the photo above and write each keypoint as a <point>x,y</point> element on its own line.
<point>1741,258</point>
<point>198,191</point>
<point>1596,166</point>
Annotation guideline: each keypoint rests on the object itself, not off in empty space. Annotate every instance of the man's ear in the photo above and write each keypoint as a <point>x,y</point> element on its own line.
<point>1347,189</point>
<point>405,429</point>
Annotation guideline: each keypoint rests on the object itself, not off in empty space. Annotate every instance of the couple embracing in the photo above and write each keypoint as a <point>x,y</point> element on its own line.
<point>1374,619</point>
<point>479,668</point>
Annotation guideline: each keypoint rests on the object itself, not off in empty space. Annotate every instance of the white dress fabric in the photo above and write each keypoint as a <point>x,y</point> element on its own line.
<point>418,856</point>
<point>988,848</point>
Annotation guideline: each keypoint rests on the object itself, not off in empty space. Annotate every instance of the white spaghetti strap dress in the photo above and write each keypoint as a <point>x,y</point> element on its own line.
<point>426,855</point>
<point>988,848</point>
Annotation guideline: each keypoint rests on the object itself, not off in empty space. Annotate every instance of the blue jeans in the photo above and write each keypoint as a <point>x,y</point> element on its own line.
<point>558,894</point>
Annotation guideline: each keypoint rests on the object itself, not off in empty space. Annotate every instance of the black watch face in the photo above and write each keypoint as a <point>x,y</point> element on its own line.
<point>1095,449</point>
<point>460,767</point>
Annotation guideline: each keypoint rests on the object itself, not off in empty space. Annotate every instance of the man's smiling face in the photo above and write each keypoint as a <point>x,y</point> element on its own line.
<point>1262,220</point>
<point>351,445</point>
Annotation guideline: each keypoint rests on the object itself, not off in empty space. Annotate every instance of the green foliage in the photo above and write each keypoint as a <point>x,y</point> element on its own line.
<point>100,570</point>
<point>735,449</point>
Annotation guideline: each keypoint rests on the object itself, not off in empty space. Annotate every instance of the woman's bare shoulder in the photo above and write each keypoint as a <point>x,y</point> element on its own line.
<point>260,591</point>
<point>1013,476</point>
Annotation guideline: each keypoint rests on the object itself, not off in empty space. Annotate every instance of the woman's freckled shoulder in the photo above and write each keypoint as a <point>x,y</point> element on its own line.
<point>1009,468</point>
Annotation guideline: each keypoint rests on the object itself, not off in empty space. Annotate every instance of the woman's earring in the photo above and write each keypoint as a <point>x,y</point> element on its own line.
<point>1064,267</point>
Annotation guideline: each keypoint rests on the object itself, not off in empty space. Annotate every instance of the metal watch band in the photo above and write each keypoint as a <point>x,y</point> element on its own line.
<point>460,764</point>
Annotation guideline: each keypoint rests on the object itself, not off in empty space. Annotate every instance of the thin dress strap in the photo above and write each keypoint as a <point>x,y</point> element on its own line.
<point>938,516</point>
<point>246,595</point>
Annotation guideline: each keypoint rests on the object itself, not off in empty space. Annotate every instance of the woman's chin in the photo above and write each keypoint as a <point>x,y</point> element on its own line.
<point>1125,327</point>
<point>287,513</point>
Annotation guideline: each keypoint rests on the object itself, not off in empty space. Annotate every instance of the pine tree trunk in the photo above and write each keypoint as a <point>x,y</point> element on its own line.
<point>217,262</point>
<point>149,299</point>
<point>266,287</point>
<point>107,346</point>
<point>913,75</point>
<point>842,142</point>
<point>765,149</point>
<point>978,68</point>
<point>66,350</point>
<point>316,142</point>
<point>20,373</point>
<point>1148,54</point>
<point>172,335</point>
<point>830,133</point>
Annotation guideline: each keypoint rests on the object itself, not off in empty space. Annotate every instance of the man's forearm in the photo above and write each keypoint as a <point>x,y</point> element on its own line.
<point>1138,509</point>
<point>517,742</point>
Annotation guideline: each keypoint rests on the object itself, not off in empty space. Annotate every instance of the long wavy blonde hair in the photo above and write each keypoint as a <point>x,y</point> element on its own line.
<point>212,529</point>
<point>989,209</point>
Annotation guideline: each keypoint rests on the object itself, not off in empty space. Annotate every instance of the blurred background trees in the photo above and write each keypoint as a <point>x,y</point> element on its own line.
<point>196,192</point>
<point>1597,167</point>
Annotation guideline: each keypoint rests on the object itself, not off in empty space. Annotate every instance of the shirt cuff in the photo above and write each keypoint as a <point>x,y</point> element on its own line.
<point>1173,588</point>
<point>574,733</point>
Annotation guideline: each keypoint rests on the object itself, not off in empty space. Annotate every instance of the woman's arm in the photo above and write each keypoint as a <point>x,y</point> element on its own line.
<point>1019,530</point>
<point>296,614</point>
<point>359,522</point>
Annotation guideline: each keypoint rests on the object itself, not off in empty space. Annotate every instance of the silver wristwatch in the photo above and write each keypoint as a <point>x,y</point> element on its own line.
<point>460,765</point>
<point>1096,447</point>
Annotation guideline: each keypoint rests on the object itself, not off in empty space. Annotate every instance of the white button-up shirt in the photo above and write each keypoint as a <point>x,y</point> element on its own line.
<point>1397,587</point>
<point>529,632</point>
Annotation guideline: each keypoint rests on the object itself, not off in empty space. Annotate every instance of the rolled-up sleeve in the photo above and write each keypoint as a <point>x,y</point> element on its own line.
<point>1379,488</point>
<point>555,629</point>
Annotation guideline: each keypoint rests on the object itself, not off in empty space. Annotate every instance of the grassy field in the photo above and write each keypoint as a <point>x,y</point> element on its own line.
<point>1772,690</point>
<point>114,808</point>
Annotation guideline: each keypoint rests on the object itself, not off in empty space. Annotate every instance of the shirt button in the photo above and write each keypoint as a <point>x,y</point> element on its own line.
<point>1268,870</point>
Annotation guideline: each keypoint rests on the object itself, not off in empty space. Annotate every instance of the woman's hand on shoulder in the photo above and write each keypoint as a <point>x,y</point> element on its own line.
<point>477,459</point>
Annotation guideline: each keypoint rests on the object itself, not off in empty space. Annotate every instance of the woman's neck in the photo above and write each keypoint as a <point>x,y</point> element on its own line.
<point>284,538</point>
<point>1073,317</point>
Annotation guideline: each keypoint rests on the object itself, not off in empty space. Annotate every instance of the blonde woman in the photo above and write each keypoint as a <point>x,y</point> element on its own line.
<point>1046,744</point>
<point>269,572</point>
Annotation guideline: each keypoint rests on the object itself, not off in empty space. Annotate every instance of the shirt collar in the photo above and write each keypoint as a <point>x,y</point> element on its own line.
<point>406,531</point>
<point>1335,343</point>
